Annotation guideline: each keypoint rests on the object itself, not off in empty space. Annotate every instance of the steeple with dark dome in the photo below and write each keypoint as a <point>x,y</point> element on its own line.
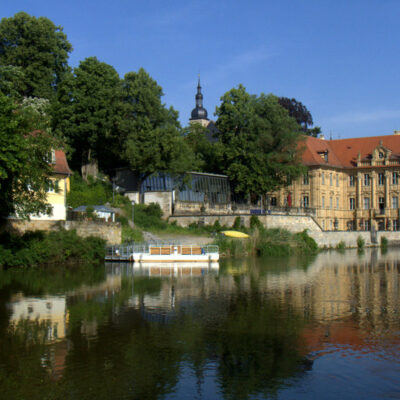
<point>199,113</point>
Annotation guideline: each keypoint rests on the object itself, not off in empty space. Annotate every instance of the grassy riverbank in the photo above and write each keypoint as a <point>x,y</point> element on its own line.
<point>39,248</point>
<point>268,242</point>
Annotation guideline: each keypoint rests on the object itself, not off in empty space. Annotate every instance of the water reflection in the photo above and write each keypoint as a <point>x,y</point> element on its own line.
<point>244,329</point>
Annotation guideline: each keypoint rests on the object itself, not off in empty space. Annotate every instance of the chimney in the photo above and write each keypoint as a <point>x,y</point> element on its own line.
<point>396,133</point>
<point>322,137</point>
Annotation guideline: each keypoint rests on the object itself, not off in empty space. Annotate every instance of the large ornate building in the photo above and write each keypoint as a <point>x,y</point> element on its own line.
<point>353,184</point>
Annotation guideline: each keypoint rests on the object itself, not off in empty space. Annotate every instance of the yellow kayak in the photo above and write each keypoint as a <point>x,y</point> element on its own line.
<point>235,234</point>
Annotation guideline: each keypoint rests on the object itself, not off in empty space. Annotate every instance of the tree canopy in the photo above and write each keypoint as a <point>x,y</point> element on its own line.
<point>260,140</point>
<point>151,132</point>
<point>300,113</point>
<point>87,111</point>
<point>24,168</point>
<point>208,155</point>
<point>39,48</point>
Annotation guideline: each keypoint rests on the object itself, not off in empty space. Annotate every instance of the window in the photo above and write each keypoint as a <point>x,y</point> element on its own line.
<point>351,225</point>
<point>395,178</point>
<point>367,225</point>
<point>323,224</point>
<point>352,203</point>
<point>306,179</point>
<point>337,203</point>
<point>366,203</point>
<point>331,202</point>
<point>380,154</point>
<point>395,225</point>
<point>330,179</point>
<point>273,201</point>
<point>51,157</point>
<point>337,180</point>
<point>381,178</point>
<point>381,203</point>
<point>306,202</point>
<point>366,180</point>
<point>52,187</point>
<point>395,202</point>
<point>331,225</point>
<point>323,179</point>
<point>323,202</point>
<point>352,180</point>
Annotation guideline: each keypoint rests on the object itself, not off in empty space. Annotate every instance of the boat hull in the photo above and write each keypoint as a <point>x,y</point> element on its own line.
<point>168,258</point>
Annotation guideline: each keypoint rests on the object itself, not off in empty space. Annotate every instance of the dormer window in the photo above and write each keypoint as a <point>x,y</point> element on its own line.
<point>51,157</point>
<point>324,155</point>
<point>381,155</point>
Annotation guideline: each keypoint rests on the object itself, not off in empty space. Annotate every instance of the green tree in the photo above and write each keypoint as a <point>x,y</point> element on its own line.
<point>152,138</point>
<point>260,139</point>
<point>208,155</point>
<point>12,81</point>
<point>24,167</point>
<point>87,112</point>
<point>300,113</point>
<point>39,48</point>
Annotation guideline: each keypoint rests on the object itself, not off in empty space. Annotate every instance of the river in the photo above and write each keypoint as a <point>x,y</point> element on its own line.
<point>322,327</point>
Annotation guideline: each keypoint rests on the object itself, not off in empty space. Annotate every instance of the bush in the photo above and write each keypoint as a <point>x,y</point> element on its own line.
<point>89,193</point>
<point>255,223</point>
<point>131,235</point>
<point>384,242</point>
<point>341,245</point>
<point>236,224</point>
<point>36,248</point>
<point>217,226</point>
<point>360,243</point>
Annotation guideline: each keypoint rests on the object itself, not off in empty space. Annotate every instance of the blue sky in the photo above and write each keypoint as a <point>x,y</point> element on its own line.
<point>340,58</point>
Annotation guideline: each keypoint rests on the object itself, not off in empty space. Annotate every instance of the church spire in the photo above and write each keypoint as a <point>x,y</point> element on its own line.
<point>199,112</point>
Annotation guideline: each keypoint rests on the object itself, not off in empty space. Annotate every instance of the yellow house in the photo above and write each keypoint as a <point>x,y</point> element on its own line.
<point>57,191</point>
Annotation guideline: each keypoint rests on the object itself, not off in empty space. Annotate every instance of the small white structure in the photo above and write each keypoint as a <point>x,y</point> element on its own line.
<point>101,212</point>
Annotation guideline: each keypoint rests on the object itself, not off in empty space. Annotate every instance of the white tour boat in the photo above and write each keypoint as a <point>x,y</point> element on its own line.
<point>175,253</point>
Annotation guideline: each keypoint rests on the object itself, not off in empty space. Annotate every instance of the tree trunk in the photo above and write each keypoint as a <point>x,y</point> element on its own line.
<point>91,167</point>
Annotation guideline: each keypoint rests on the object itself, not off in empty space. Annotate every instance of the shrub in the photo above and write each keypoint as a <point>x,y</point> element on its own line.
<point>236,224</point>
<point>131,235</point>
<point>217,226</point>
<point>341,245</point>
<point>384,242</point>
<point>36,248</point>
<point>360,243</point>
<point>88,193</point>
<point>255,222</point>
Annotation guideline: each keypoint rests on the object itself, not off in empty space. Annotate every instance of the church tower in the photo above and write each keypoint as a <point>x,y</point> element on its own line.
<point>199,113</point>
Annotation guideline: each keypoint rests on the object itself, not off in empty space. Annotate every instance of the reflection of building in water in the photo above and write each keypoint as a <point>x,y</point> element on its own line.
<point>336,287</point>
<point>180,283</point>
<point>48,309</point>
<point>43,320</point>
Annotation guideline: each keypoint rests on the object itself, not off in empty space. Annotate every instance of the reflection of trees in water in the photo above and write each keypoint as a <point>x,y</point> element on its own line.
<point>245,324</point>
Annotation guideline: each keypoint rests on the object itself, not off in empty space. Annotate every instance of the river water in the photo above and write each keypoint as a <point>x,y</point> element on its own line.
<point>325,327</point>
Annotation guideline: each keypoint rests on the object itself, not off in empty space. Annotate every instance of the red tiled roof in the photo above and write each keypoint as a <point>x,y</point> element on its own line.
<point>61,165</point>
<point>343,153</point>
<point>314,148</point>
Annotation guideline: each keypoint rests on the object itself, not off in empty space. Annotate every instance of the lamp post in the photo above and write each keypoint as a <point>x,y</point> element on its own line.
<point>133,214</point>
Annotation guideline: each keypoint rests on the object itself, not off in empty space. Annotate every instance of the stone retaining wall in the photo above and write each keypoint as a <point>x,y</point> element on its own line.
<point>110,231</point>
<point>332,239</point>
<point>290,222</point>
